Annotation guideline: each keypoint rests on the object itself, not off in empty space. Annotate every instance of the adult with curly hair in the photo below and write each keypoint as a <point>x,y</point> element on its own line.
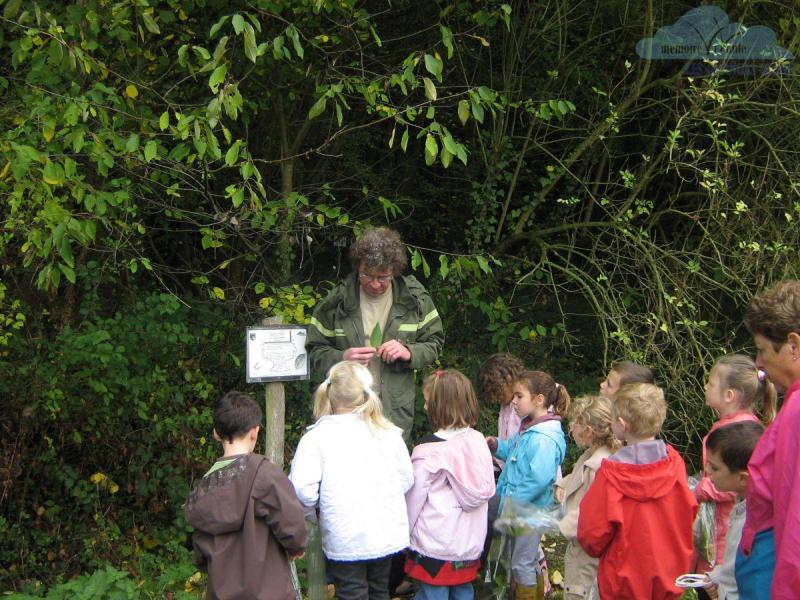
<point>379,318</point>
<point>769,552</point>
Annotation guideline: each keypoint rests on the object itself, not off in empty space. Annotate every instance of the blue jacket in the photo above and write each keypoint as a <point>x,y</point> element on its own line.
<point>532,458</point>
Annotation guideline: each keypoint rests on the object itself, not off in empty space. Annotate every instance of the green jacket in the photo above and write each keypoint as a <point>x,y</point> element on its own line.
<point>413,320</point>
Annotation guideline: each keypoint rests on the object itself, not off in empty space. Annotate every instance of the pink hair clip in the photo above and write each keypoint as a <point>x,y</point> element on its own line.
<point>762,375</point>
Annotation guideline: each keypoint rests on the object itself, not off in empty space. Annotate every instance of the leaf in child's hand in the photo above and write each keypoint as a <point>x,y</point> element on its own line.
<point>376,337</point>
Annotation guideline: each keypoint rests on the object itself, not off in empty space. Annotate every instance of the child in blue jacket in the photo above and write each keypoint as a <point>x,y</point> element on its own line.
<point>532,458</point>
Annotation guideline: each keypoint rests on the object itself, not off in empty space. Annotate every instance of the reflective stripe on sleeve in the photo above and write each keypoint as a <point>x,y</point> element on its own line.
<point>434,314</point>
<point>325,331</point>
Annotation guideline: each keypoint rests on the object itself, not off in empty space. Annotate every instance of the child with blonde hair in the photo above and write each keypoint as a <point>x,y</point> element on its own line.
<point>637,515</point>
<point>353,465</point>
<point>532,458</point>
<point>590,426</point>
<point>735,387</point>
<point>453,482</point>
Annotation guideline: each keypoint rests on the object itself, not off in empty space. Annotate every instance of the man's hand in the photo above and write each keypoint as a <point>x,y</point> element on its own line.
<point>711,590</point>
<point>392,351</point>
<point>360,354</point>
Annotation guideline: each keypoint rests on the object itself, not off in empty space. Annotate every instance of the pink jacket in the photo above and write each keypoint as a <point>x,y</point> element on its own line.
<point>447,506</point>
<point>508,422</point>
<point>773,494</point>
<point>707,492</point>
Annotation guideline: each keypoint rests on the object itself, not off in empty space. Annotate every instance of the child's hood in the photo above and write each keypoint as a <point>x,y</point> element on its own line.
<point>648,481</point>
<point>219,502</point>
<point>465,461</point>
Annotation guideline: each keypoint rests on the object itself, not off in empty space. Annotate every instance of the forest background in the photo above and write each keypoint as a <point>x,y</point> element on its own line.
<point>172,171</point>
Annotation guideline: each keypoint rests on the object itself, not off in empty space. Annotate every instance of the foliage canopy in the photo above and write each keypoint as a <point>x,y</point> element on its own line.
<point>172,170</point>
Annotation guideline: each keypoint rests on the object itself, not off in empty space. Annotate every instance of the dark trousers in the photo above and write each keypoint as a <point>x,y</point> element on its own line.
<point>361,579</point>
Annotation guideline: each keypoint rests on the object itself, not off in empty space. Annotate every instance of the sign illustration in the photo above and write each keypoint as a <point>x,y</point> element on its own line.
<point>276,353</point>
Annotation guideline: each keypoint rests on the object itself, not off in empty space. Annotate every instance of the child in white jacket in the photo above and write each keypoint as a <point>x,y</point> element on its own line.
<point>453,482</point>
<point>354,466</point>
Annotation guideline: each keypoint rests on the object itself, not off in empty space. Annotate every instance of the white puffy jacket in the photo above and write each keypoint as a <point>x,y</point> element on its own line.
<point>358,475</point>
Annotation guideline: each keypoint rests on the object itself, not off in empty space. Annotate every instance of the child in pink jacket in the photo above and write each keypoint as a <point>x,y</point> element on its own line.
<point>453,482</point>
<point>734,387</point>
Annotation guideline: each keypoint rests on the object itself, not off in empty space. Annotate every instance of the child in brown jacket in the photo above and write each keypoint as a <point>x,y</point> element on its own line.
<point>245,513</point>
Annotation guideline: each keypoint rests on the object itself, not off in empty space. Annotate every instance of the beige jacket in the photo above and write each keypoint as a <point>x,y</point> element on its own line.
<point>580,569</point>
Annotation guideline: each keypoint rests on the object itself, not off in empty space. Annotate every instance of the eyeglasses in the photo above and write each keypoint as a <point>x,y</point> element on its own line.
<point>382,279</point>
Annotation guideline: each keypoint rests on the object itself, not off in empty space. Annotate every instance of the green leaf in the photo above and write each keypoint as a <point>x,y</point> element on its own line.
<point>163,122</point>
<point>238,23</point>
<point>250,50</point>
<point>216,26</point>
<point>376,337</point>
<point>483,264</point>
<point>317,108</point>
<point>477,112</point>
<point>219,293</point>
<point>486,94</point>
<point>232,155</point>
<point>217,77</point>
<point>446,157</point>
<point>132,145</point>
<point>183,55</point>
<point>291,31</point>
<point>404,140</point>
<point>238,197</point>
<point>447,40</point>
<point>150,23</point>
<point>65,250</point>
<point>12,9</point>
<point>463,111</point>
<point>462,154</point>
<point>416,259</point>
<point>150,150</point>
<point>444,266</point>
<point>260,287</point>
<point>541,330</point>
<point>431,146</point>
<point>430,89</point>
<point>434,66</point>
<point>375,36</point>
<point>450,144</point>
<point>68,272</point>
<point>53,173</point>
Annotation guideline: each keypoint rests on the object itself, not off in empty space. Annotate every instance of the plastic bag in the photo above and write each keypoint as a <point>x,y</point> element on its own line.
<point>705,530</point>
<point>517,518</point>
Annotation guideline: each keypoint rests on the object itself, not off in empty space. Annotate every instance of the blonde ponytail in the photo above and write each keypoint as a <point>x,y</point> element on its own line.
<point>322,403</point>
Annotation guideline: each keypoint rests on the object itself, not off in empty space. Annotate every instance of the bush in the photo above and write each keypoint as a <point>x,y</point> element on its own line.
<point>104,425</point>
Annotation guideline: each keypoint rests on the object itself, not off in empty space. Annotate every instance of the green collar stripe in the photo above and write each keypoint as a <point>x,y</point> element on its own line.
<point>220,464</point>
<point>434,314</point>
<point>325,331</point>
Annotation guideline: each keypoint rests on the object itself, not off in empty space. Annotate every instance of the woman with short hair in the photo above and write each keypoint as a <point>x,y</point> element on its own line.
<point>769,553</point>
<point>381,319</point>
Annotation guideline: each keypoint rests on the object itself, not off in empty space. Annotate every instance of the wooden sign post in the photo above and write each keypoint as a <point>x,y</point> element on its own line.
<point>275,413</point>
